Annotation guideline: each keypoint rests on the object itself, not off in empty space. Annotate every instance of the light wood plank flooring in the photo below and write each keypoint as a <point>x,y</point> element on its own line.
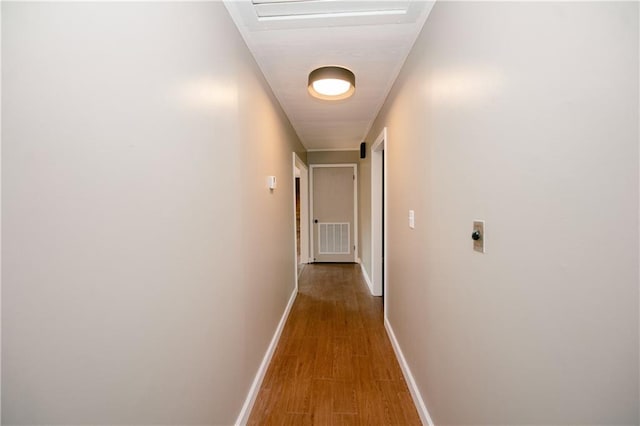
<point>334,364</point>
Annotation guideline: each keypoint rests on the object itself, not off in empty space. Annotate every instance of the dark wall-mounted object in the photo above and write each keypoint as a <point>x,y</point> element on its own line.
<point>363,150</point>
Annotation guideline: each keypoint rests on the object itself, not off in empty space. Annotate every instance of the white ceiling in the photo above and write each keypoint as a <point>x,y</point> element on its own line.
<point>291,38</point>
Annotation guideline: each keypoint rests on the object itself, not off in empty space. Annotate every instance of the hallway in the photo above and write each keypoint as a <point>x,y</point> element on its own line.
<point>149,154</point>
<point>334,363</point>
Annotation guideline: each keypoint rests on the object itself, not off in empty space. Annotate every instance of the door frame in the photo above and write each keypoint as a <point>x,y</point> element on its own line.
<point>355,207</point>
<point>379,242</point>
<point>304,215</point>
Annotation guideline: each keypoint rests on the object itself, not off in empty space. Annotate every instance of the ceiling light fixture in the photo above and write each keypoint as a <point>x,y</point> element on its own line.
<point>332,83</point>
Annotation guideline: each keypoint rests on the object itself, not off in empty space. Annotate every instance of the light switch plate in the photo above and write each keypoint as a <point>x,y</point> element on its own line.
<point>412,219</point>
<point>478,245</point>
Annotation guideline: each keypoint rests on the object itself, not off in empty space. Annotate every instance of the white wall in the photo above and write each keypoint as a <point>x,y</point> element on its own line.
<point>136,141</point>
<point>524,115</point>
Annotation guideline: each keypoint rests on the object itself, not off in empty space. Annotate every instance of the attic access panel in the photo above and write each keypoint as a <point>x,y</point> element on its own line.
<point>308,9</point>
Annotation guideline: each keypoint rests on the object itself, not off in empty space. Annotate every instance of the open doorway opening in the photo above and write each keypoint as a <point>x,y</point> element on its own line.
<point>300,213</point>
<point>297,200</point>
<point>379,216</point>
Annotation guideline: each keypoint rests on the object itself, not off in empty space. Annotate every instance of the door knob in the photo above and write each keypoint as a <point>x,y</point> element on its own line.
<point>476,235</point>
<point>315,220</point>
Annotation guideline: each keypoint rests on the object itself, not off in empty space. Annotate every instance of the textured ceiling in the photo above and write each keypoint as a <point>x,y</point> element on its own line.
<point>291,38</point>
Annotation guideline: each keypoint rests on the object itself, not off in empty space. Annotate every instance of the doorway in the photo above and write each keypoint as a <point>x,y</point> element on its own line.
<point>300,213</point>
<point>379,216</point>
<point>333,210</point>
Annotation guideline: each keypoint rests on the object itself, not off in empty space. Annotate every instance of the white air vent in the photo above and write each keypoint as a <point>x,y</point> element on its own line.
<point>309,9</point>
<point>334,238</point>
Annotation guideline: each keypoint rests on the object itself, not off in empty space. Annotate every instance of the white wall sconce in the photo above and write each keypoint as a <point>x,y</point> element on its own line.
<point>272,182</point>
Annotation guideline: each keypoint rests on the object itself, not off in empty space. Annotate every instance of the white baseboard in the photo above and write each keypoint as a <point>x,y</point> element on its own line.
<point>366,278</point>
<point>406,371</point>
<point>243,417</point>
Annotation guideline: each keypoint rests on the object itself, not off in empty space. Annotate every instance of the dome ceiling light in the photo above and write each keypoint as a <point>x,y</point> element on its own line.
<point>332,83</point>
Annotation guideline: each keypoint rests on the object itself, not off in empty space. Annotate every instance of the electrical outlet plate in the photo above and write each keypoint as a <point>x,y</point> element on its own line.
<point>478,245</point>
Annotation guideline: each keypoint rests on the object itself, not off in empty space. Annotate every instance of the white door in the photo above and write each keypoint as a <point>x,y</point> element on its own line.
<point>334,226</point>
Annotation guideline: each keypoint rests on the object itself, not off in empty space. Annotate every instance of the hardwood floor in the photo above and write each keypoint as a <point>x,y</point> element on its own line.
<point>334,364</point>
